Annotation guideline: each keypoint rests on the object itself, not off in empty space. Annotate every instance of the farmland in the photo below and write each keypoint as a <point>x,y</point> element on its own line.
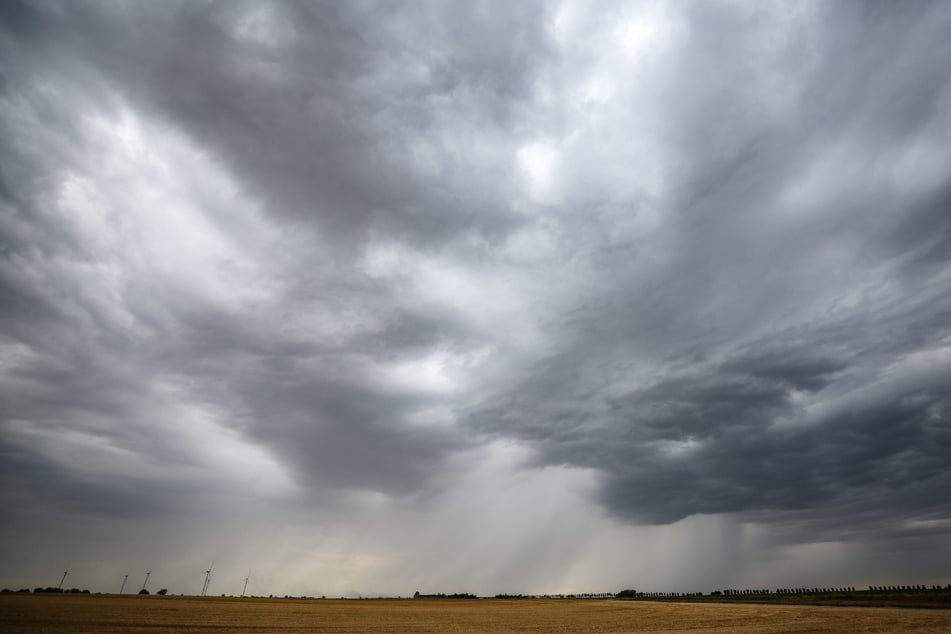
<point>103,614</point>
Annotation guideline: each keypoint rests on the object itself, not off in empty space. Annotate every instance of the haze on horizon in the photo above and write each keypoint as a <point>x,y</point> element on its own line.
<point>527,297</point>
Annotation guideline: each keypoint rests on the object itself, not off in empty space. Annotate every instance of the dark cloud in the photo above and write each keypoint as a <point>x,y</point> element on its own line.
<point>343,118</point>
<point>855,413</point>
<point>687,262</point>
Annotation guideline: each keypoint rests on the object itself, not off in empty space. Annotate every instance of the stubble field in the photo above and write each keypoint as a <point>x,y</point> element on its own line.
<point>105,614</point>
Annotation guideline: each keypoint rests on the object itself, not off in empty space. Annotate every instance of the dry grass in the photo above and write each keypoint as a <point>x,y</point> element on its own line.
<point>79,614</point>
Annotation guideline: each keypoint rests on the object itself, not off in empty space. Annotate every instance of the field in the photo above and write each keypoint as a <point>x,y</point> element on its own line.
<point>105,614</point>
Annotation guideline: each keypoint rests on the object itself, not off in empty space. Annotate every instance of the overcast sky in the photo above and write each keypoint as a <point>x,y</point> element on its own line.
<point>374,297</point>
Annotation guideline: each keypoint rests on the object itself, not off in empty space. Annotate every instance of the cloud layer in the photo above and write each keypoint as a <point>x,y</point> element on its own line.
<point>379,266</point>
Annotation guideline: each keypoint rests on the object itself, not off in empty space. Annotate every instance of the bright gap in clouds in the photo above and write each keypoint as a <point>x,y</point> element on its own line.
<point>646,32</point>
<point>539,161</point>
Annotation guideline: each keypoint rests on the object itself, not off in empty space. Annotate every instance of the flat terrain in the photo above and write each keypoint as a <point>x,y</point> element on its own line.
<point>106,614</point>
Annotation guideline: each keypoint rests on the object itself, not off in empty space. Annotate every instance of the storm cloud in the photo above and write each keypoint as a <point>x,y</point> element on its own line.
<point>501,275</point>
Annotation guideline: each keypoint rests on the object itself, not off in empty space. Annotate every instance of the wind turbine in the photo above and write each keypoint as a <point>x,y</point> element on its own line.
<point>146,582</point>
<point>124,579</point>
<point>246,583</point>
<point>66,572</point>
<point>204,588</point>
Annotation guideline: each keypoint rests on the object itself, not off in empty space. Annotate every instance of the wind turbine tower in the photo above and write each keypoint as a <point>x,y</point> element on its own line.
<point>204,588</point>
<point>124,579</point>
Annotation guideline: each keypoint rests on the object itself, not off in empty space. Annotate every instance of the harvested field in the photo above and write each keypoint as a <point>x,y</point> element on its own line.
<point>104,614</point>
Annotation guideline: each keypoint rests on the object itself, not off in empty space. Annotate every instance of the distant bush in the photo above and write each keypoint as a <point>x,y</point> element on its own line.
<point>627,594</point>
<point>163,591</point>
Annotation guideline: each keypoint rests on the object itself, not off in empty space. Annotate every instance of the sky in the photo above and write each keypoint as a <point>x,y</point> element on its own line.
<point>365,298</point>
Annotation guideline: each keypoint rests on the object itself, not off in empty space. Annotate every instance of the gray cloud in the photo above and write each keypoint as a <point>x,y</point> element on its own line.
<point>686,262</point>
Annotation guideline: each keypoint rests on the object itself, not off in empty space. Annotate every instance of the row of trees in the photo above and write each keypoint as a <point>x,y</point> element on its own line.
<point>813,590</point>
<point>71,591</point>
<point>668,595</point>
<point>630,593</point>
<point>734,592</point>
<point>458,595</point>
<point>912,588</point>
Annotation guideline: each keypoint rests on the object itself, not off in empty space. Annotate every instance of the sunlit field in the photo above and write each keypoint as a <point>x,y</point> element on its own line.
<point>103,614</point>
